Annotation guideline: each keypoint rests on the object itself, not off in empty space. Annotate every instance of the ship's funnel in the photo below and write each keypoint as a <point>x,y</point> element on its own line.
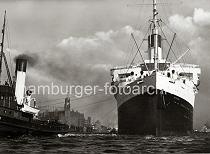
<point>152,40</point>
<point>20,71</point>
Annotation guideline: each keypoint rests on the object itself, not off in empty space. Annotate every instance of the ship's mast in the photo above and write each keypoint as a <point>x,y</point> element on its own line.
<point>154,38</point>
<point>2,45</point>
<point>155,33</point>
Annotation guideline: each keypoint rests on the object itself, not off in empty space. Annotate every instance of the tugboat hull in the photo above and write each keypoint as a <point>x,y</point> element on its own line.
<point>7,129</point>
<point>16,123</point>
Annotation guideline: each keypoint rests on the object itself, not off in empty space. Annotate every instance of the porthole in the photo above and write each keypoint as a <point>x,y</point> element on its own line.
<point>173,71</point>
<point>168,75</point>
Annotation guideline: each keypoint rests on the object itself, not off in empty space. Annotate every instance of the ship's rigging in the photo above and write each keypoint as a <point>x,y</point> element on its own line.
<point>3,56</point>
<point>156,28</point>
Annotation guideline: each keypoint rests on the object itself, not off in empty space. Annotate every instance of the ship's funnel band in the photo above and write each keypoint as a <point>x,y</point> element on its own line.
<point>21,65</point>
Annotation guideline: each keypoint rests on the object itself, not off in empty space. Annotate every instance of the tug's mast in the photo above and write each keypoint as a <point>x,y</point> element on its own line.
<point>2,45</point>
<point>2,54</point>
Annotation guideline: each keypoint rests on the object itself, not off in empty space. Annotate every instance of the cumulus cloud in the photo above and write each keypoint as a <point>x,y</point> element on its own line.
<point>97,39</point>
<point>79,58</point>
<point>78,43</point>
<point>193,31</point>
<point>182,24</point>
<point>201,17</point>
<point>82,60</point>
<point>190,25</point>
<point>103,48</point>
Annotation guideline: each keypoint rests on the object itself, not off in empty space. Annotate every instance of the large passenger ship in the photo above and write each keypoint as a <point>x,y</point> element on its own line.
<point>166,90</point>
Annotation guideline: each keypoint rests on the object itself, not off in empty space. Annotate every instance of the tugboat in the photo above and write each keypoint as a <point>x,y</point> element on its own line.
<point>155,97</point>
<point>19,112</point>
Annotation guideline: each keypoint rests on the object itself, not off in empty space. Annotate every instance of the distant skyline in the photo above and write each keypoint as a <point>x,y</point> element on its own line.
<point>78,41</point>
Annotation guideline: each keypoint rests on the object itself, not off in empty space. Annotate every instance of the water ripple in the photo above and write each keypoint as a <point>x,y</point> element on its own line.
<point>98,143</point>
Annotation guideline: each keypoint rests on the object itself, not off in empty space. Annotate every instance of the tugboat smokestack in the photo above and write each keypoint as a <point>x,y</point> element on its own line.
<point>21,65</point>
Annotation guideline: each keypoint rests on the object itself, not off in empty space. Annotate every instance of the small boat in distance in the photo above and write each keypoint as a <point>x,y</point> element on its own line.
<point>19,113</point>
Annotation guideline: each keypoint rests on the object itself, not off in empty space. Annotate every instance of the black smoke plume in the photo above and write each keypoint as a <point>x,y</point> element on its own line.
<point>32,58</point>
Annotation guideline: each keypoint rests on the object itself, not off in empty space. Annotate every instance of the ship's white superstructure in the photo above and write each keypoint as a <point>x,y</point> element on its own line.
<point>177,78</point>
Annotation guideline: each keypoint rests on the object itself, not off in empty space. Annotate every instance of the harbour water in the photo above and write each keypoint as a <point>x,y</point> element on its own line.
<point>70,143</point>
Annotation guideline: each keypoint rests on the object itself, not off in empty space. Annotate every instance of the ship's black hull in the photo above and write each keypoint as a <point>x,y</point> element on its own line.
<point>159,114</point>
<point>16,123</point>
<point>9,128</point>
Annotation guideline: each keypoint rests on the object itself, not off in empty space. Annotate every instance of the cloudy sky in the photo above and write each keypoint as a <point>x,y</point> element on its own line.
<point>78,41</point>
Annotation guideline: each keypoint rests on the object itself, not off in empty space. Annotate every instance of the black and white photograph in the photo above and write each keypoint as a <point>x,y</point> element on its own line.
<point>104,76</point>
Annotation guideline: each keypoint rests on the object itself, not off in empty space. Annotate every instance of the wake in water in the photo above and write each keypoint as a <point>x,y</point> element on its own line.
<point>83,135</point>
